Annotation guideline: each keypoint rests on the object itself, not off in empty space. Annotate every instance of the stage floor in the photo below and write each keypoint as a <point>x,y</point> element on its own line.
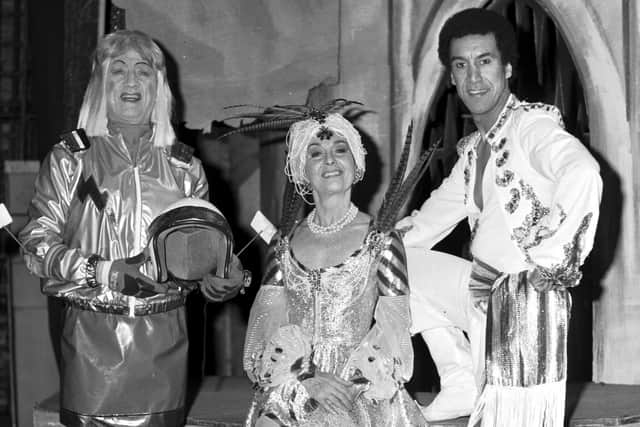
<point>224,401</point>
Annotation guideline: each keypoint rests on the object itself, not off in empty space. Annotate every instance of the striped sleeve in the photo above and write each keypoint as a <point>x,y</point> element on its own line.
<point>272,271</point>
<point>392,267</point>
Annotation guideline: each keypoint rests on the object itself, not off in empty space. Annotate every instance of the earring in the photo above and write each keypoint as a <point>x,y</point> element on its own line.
<point>304,189</point>
<point>358,175</point>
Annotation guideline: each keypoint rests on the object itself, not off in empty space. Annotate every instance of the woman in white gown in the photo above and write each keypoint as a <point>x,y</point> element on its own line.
<point>328,341</point>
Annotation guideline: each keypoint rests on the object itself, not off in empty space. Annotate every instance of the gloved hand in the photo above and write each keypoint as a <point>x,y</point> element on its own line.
<point>218,289</point>
<point>125,277</point>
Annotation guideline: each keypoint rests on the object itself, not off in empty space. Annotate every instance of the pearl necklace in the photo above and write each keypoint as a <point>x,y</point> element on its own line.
<point>336,226</point>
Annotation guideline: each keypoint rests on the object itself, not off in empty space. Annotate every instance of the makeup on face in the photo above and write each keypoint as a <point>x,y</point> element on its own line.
<point>131,86</point>
<point>329,163</point>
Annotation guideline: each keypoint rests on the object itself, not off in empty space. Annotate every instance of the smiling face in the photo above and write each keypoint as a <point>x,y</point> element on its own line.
<point>329,165</point>
<point>480,77</point>
<point>131,85</point>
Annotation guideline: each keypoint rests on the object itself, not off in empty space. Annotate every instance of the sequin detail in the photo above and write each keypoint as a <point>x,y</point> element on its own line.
<point>290,403</point>
<point>514,201</point>
<point>500,145</point>
<point>333,295</point>
<point>462,144</point>
<point>504,179</point>
<point>318,115</point>
<point>467,175</point>
<point>324,133</point>
<point>335,307</point>
<point>523,233</point>
<point>526,334</point>
<point>531,233</point>
<point>529,106</point>
<point>506,112</point>
<point>567,273</point>
<point>502,159</point>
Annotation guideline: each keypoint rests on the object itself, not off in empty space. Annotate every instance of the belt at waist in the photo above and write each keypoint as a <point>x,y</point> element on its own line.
<point>142,310</point>
<point>483,276</point>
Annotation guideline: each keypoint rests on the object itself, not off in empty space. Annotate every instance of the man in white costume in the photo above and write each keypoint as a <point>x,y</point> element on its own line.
<point>531,193</point>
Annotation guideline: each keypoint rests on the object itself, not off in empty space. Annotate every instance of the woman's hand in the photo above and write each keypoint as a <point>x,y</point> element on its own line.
<point>332,393</point>
<point>218,289</point>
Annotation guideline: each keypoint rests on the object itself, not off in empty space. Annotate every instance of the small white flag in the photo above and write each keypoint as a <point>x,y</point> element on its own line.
<point>263,227</point>
<point>5,216</point>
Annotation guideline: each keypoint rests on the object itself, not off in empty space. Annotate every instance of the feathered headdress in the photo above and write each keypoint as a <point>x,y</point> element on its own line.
<point>281,118</point>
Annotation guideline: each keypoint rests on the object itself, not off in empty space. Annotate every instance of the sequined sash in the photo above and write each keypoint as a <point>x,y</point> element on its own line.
<point>482,279</point>
<point>526,330</point>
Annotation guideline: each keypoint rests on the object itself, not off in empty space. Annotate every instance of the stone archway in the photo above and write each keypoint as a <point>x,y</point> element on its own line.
<point>603,84</point>
<point>614,345</point>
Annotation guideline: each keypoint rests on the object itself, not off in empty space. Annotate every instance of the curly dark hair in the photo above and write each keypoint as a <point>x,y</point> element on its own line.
<point>478,21</point>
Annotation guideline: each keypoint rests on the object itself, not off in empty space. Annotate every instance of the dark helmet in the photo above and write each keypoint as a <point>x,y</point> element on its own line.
<point>188,240</point>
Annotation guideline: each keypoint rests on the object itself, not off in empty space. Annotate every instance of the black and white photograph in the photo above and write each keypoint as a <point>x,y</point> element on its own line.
<point>307,213</point>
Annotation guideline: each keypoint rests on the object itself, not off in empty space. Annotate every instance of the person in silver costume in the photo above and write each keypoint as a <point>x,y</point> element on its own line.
<point>531,193</point>
<point>124,338</point>
<point>328,337</point>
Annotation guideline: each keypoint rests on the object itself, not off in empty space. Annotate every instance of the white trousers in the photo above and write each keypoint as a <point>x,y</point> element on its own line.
<point>440,298</point>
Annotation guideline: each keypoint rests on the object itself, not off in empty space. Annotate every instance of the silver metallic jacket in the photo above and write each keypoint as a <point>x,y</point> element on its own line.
<point>67,225</point>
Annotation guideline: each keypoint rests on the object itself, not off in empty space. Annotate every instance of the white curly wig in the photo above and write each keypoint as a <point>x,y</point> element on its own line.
<point>300,135</point>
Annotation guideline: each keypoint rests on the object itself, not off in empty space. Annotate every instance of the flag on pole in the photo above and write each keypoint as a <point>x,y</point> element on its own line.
<point>5,216</point>
<point>263,227</point>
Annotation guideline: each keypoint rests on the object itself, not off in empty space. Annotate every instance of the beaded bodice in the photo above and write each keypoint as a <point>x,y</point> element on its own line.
<point>334,305</point>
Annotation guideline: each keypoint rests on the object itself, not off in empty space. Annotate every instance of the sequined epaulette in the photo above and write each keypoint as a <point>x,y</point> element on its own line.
<point>75,141</point>
<point>462,143</point>
<point>541,106</point>
<point>181,152</point>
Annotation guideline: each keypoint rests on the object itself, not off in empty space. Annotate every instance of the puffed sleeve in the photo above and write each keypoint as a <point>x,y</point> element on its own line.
<point>274,351</point>
<point>385,355</point>
<point>268,311</point>
<point>565,235</point>
<point>392,313</point>
<point>439,214</point>
<point>46,253</point>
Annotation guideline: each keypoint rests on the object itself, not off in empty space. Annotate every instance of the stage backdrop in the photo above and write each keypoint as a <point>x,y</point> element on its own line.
<point>241,51</point>
<point>264,52</point>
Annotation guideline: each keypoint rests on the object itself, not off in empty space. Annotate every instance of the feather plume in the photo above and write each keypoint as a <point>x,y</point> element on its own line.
<point>274,125</point>
<point>398,176</point>
<point>281,117</point>
<point>396,196</point>
<point>292,203</point>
